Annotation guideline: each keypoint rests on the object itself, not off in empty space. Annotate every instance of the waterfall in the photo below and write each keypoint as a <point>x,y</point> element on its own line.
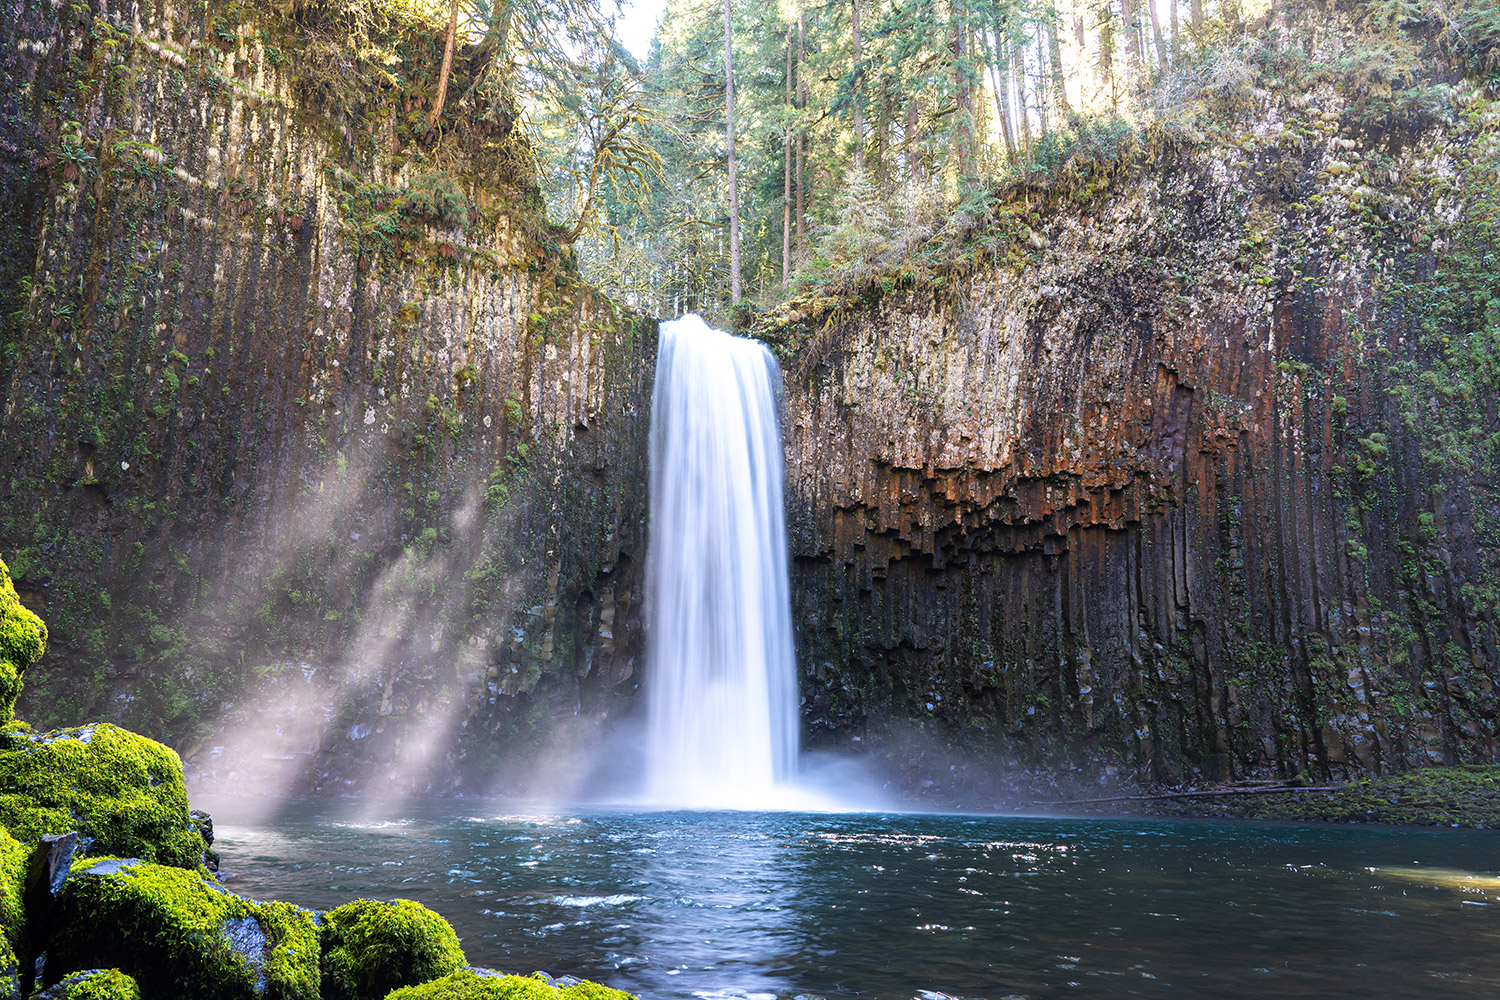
<point>721,680</point>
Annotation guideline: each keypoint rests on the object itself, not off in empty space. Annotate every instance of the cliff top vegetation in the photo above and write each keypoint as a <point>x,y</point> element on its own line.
<point>878,136</point>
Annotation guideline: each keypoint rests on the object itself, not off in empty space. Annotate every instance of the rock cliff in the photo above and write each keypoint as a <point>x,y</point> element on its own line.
<point>317,457</point>
<point>321,463</point>
<point>1187,468</point>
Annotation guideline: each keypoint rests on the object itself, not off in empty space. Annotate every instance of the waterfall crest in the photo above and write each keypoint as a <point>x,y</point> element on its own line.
<point>721,681</point>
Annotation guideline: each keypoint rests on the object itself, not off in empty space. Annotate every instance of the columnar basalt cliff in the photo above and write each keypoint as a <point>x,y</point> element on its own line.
<point>1188,470</point>
<point>309,430</point>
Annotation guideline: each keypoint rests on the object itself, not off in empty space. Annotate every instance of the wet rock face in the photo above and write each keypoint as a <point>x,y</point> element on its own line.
<point>1145,490</point>
<point>320,463</point>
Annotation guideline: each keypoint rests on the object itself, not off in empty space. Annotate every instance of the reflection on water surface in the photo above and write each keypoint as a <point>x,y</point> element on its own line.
<point>715,905</point>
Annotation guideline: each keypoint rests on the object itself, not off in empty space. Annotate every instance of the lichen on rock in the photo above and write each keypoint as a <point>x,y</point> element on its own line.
<point>372,947</point>
<point>123,793</point>
<point>482,984</point>
<point>181,934</point>
<point>23,639</point>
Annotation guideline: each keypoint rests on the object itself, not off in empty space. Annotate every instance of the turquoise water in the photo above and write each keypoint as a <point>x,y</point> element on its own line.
<point>898,906</point>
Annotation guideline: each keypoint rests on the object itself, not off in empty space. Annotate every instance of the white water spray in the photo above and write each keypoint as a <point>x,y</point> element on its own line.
<point>722,689</point>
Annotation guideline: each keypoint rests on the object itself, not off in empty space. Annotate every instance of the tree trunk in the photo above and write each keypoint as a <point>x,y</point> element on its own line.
<point>855,99</point>
<point>1043,88</point>
<point>1195,17</point>
<point>1107,51</point>
<point>801,137</point>
<point>993,58</point>
<point>1161,50</point>
<point>1129,17</point>
<point>964,131</point>
<point>1018,60</point>
<point>914,172</point>
<point>503,57</point>
<point>1174,50</point>
<point>734,184</point>
<point>442,92</point>
<point>1059,75</point>
<point>786,185</point>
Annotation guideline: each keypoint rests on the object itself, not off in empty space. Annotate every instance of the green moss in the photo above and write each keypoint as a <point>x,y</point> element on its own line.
<point>292,957</point>
<point>436,196</point>
<point>94,984</point>
<point>23,639</point>
<point>123,793</point>
<point>471,984</point>
<point>371,948</point>
<point>13,857</point>
<point>179,933</point>
<point>9,969</point>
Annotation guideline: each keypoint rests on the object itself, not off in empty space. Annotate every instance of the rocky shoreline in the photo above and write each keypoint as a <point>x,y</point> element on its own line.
<point>1465,795</point>
<point>108,888</point>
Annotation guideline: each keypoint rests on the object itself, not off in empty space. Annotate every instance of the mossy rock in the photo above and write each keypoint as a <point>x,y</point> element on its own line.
<point>23,639</point>
<point>93,984</point>
<point>180,934</point>
<point>13,858</point>
<point>372,947</point>
<point>482,984</point>
<point>10,970</point>
<point>123,793</point>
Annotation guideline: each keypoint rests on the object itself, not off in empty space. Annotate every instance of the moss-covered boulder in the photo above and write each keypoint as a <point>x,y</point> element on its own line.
<point>10,970</point>
<point>23,639</point>
<point>123,793</point>
<point>482,984</point>
<point>180,934</point>
<point>372,947</point>
<point>13,856</point>
<point>93,984</point>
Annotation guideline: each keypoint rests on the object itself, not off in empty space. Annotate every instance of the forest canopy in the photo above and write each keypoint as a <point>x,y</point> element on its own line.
<point>871,134</point>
